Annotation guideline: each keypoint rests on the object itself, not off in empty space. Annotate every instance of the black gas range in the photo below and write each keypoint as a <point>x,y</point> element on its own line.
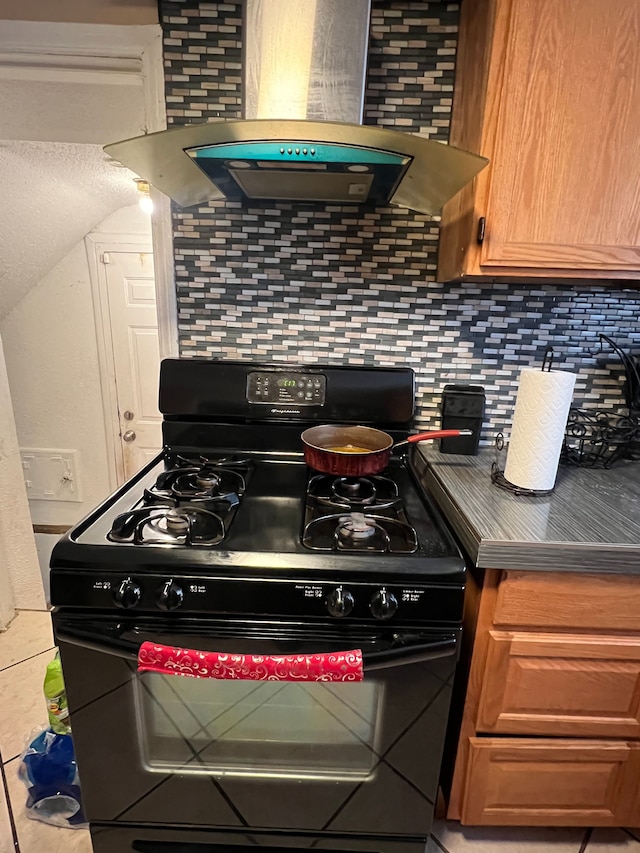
<point>228,542</point>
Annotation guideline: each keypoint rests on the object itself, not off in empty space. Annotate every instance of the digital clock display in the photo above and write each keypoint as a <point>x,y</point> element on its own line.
<point>286,390</point>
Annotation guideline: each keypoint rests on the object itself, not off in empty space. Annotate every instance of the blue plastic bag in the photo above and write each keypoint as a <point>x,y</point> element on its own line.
<point>48,769</point>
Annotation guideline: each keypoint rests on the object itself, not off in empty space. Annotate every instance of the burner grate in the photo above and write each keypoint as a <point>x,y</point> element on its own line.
<point>353,492</point>
<point>168,525</point>
<point>180,460</point>
<point>358,514</point>
<point>356,531</point>
<point>192,502</point>
<point>202,483</point>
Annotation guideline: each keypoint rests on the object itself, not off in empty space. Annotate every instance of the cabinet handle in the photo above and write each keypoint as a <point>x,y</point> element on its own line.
<point>481,229</point>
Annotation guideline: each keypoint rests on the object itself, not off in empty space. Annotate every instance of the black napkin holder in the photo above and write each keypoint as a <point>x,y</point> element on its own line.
<point>462,407</point>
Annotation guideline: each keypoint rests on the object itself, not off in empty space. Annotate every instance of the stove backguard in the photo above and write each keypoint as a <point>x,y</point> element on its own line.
<point>205,390</point>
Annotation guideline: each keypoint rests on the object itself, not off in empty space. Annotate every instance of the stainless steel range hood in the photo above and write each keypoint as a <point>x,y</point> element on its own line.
<point>301,138</point>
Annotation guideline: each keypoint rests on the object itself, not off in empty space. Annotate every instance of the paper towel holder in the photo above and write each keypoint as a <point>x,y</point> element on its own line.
<point>497,474</point>
<point>547,360</point>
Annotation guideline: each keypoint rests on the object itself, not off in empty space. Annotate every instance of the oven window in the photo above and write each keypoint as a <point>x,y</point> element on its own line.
<point>268,728</point>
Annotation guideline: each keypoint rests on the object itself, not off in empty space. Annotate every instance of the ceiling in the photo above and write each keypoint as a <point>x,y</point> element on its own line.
<point>65,91</point>
<point>54,194</point>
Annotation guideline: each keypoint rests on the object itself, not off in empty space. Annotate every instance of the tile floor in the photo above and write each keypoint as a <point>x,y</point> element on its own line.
<point>25,650</point>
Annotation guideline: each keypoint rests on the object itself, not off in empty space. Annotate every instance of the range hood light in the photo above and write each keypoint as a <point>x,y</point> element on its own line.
<point>144,200</point>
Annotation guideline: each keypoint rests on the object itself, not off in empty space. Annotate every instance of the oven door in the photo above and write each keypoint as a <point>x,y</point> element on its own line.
<point>345,758</point>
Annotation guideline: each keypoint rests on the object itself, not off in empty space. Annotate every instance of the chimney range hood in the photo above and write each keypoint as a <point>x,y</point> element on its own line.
<point>301,138</point>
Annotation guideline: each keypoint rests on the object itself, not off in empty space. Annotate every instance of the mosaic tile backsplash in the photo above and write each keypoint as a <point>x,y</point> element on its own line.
<point>348,284</point>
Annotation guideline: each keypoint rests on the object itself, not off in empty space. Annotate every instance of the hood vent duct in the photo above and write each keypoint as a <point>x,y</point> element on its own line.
<point>301,138</point>
<point>306,60</point>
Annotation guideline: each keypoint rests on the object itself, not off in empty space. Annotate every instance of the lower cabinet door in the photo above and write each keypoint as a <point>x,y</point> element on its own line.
<point>551,782</point>
<point>573,685</point>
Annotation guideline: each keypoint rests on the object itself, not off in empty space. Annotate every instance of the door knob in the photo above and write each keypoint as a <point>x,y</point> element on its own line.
<point>129,435</point>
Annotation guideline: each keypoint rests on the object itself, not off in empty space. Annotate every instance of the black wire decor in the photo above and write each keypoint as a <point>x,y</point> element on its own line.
<point>599,438</point>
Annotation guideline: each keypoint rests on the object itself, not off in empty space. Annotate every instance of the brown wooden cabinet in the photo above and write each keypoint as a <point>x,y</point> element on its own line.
<point>561,684</point>
<point>550,732</point>
<point>543,782</point>
<point>569,601</point>
<point>549,91</point>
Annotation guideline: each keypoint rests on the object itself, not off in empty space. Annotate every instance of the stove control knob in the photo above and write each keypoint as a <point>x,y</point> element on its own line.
<point>127,594</point>
<point>171,596</point>
<point>383,605</point>
<point>339,602</point>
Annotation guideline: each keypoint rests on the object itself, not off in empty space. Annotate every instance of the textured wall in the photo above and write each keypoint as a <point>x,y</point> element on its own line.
<point>348,284</point>
<point>20,580</point>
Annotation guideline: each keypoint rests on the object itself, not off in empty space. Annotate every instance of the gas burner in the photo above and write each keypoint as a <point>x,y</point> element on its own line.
<point>174,522</point>
<point>168,525</point>
<point>208,479</point>
<point>205,483</point>
<point>201,485</point>
<point>353,492</point>
<point>360,532</point>
<point>356,525</point>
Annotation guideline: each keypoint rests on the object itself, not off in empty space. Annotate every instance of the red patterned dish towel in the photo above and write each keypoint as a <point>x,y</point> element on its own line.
<point>333,666</point>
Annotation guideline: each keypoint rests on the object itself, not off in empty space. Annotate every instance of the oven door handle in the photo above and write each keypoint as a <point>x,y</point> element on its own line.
<point>380,652</point>
<point>440,647</point>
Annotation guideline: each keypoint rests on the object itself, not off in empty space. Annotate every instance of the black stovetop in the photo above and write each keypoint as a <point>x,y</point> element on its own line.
<point>266,528</point>
<point>262,567</point>
<point>190,539</point>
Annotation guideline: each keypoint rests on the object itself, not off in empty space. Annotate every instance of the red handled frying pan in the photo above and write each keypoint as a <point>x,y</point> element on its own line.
<point>357,451</point>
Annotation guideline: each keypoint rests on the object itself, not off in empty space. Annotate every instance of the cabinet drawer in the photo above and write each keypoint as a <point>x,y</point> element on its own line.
<point>571,600</point>
<point>534,782</point>
<point>561,684</point>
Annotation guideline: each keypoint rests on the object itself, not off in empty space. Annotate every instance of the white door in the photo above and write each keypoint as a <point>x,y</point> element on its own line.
<point>134,336</point>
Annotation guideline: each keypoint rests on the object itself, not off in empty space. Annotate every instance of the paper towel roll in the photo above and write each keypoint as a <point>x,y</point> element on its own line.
<point>539,421</point>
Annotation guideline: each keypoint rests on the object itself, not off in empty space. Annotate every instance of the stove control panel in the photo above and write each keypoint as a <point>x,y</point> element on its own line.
<point>353,601</point>
<point>287,389</point>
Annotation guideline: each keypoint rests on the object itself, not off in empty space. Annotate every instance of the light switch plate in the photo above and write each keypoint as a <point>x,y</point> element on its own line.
<point>51,474</point>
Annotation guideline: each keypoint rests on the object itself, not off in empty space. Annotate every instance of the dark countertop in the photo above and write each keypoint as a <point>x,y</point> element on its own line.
<point>590,522</point>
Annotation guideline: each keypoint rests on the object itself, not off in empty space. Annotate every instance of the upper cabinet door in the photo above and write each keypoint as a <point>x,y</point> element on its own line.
<point>555,90</point>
